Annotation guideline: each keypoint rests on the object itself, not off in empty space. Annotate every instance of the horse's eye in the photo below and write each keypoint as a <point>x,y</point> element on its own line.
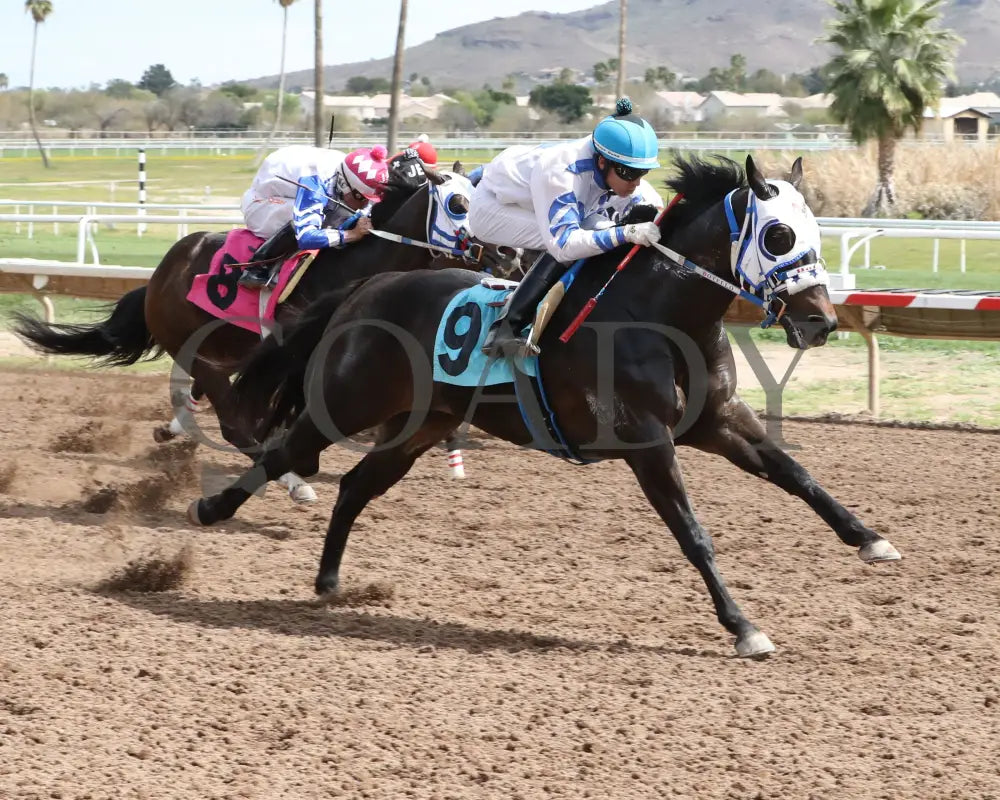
<point>458,206</point>
<point>779,239</point>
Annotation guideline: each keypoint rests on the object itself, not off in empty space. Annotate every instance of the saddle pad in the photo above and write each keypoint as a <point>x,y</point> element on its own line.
<point>219,293</point>
<point>458,357</point>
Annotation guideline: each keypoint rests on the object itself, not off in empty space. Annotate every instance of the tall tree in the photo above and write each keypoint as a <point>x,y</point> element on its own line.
<point>892,64</point>
<point>39,10</point>
<point>4,81</point>
<point>623,15</point>
<point>157,79</point>
<point>281,79</point>
<point>397,79</point>
<point>318,120</point>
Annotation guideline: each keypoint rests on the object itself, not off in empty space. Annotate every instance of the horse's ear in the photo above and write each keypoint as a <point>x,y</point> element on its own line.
<point>435,177</point>
<point>458,169</point>
<point>756,180</point>
<point>795,176</point>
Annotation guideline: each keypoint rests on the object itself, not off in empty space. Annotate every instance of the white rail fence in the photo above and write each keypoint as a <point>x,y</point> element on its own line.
<point>852,234</point>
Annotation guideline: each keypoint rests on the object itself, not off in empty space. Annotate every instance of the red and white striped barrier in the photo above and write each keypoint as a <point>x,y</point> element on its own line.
<point>918,298</point>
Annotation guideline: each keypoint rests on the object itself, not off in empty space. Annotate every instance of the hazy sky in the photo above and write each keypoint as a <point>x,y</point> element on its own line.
<point>93,41</point>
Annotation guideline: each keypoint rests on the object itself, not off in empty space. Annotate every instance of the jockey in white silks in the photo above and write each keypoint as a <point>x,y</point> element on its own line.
<point>296,185</point>
<point>568,200</point>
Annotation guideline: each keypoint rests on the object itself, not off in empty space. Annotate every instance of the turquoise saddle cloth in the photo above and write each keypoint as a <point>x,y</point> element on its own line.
<point>458,355</point>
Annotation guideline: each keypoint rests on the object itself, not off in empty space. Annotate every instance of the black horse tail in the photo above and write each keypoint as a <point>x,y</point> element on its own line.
<point>118,341</point>
<point>269,390</point>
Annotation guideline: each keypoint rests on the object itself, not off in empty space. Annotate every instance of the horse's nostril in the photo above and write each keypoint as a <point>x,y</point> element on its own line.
<point>828,324</point>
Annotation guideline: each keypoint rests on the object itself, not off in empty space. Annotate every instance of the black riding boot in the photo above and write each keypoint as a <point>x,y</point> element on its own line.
<point>273,250</point>
<point>504,336</point>
<point>255,276</point>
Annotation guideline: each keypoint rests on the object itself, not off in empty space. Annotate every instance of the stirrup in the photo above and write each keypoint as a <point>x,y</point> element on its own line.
<point>260,278</point>
<point>514,347</point>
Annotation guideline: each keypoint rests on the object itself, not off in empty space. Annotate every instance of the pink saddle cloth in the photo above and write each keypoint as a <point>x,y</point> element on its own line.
<point>219,293</point>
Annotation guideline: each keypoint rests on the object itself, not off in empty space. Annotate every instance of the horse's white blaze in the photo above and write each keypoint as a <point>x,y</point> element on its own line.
<point>754,644</point>
<point>880,550</point>
<point>298,489</point>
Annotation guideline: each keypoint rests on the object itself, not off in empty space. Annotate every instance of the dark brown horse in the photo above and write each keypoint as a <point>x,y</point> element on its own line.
<point>651,369</point>
<point>157,318</point>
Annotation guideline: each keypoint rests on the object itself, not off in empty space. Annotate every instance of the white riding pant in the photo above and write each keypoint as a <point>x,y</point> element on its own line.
<point>503,223</point>
<point>266,215</point>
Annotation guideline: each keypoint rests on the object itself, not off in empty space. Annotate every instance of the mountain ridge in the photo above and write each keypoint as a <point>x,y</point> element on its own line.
<point>689,36</point>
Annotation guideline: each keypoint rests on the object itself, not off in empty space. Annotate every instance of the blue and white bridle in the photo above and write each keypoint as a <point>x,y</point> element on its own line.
<point>761,276</point>
<point>447,230</point>
<point>762,273</point>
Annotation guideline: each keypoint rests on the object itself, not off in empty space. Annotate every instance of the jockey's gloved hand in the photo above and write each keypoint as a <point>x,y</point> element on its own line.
<point>644,233</point>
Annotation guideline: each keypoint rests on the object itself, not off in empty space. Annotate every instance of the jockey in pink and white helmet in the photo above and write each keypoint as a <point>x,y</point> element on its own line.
<point>364,171</point>
<point>296,185</point>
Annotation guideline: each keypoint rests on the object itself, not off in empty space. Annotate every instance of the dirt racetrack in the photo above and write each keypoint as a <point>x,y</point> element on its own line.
<point>531,632</point>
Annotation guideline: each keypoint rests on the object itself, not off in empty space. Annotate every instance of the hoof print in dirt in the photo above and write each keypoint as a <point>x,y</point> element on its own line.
<point>176,460</point>
<point>154,572</point>
<point>371,594</point>
<point>7,474</point>
<point>93,437</point>
<point>146,496</point>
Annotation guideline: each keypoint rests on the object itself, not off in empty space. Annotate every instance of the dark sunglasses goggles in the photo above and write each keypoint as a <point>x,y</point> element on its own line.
<point>628,173</point>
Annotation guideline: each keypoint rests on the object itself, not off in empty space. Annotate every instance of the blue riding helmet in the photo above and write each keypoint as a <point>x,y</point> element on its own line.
<point>626,138</point>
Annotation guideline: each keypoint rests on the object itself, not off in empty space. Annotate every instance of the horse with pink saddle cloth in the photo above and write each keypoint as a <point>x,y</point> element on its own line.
<point>219,292</point>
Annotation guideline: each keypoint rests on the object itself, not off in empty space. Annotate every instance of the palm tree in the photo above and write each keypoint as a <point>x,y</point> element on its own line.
<point>281,77</point>
<point>39,10</point>
<point>397,78</point>
<point>623,14</point>
<point>281,80</point>
<point>890,67</point>
<point>318,70</point>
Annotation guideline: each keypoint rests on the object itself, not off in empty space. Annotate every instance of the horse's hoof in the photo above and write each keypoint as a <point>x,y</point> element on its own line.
<point>754,645</point>
<point>302,494</point>
<point>327,584</point>
<point>162,434</point>
<point>878,551</point>
<point>192,514</point>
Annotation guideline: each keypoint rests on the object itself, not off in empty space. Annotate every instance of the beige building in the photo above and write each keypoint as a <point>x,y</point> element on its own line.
<point>376,106</point>
<point>760,104</point>
<point>965,117</point>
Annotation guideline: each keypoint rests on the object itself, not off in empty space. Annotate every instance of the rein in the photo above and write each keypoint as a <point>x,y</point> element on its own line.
<point>473,253</point>
<point>774,282</point>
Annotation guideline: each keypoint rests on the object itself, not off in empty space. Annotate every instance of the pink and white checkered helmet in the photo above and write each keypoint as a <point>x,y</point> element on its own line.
<point>366,170</point>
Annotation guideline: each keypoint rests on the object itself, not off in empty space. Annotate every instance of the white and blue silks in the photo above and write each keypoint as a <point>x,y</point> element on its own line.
<point>276,195</point>
<point>552,197</point>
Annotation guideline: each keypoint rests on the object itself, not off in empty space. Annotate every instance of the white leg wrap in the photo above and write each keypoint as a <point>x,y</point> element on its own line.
<point>175,427</point>
<point>298,489</point>
<point>456,464</point>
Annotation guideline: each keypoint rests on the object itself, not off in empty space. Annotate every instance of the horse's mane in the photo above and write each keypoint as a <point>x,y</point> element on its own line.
<point>703,182</point>
<point>397,190</point>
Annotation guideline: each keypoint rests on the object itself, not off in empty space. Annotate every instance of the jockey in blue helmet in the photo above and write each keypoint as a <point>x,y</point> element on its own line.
<point>568,200</point>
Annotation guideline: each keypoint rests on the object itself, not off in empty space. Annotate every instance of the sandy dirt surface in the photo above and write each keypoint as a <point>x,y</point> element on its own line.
<point>530,632</point>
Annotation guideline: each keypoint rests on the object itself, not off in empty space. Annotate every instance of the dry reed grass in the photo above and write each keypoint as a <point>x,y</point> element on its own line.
<point>956,181</point>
